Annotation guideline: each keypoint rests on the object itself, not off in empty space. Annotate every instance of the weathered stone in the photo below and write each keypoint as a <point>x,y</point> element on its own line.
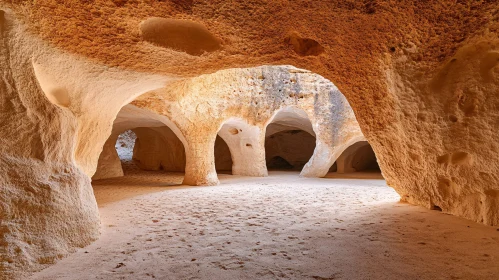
<point>422,79</point>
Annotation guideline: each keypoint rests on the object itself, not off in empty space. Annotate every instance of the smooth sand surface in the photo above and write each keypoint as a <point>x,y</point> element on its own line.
<point>279,227</point>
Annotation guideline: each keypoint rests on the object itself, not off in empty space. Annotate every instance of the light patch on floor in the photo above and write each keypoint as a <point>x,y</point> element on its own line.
<point>278,227</point>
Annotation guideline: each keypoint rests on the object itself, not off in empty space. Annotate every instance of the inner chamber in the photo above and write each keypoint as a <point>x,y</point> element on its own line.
<point>359,157</point>
<point>289,140</point>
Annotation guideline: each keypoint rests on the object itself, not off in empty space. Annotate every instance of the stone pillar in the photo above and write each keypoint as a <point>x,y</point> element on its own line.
<point>247,146</point>
<point>320,162</point>
<point>109,165</point>
<point>200,160</point>
<point>325,155</point>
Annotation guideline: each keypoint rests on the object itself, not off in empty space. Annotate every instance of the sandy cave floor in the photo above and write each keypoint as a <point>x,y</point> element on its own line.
<point>279,227</point>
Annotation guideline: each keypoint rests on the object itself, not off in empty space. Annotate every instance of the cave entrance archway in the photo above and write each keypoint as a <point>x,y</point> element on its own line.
<point>289,140</point>
<point>124,147</point>
<point>356,159</point>
<point>158,148</point>
<point>140,142</point>
<point>223,156</point>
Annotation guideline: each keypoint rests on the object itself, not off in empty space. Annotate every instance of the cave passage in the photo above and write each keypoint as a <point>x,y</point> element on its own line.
<point>158,148</point>
<point>365,160</point>
<point>124,147</point>
<point>140,148</point>
<point>289,140</point>
<point>289,149</point>
<point>223,157</point>
<point>356,161</point>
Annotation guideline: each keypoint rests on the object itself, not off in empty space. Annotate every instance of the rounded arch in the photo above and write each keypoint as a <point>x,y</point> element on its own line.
<point>359,156</point>
<point>159,143</point>
<point>290,139</point>
<point>289,117</point>
<point>223,156</point>
<point>131,117</point>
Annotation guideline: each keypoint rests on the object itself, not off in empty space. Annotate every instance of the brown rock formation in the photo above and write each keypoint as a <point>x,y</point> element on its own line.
<point>421,76</point>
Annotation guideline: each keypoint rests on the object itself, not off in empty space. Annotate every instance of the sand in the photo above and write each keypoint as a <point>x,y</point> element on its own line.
<point>279,227</point>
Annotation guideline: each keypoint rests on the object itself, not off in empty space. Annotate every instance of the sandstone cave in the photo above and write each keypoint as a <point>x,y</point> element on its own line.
<point>223,157</point>
<point>359,157</point>
<point>249,140</point>
<point>289,140</point>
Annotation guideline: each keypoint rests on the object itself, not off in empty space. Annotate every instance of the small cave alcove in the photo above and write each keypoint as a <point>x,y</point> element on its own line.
<point>223,157</point>
<point>289,140</point>
<point>357,159</point>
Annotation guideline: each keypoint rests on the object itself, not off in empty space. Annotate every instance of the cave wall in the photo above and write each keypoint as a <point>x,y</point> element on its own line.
<point>47,207</point>
<point>358,157</point>
<point>447,145</point>
<point>158,148</point>
<point>295,147</point>
<point>421,77</point>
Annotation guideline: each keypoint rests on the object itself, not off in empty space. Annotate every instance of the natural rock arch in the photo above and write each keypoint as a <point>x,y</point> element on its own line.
<point>267,90</point>
<point>358,157</point>
<point>156,147</point>
<point>426,103</point>
<point>289,140</point>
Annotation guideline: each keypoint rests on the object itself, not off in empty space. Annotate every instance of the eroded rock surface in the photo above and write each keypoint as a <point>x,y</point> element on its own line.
<point>242,107</point>
<point>180,35</point>
<point>239,105</point>
<point>422,78</point>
